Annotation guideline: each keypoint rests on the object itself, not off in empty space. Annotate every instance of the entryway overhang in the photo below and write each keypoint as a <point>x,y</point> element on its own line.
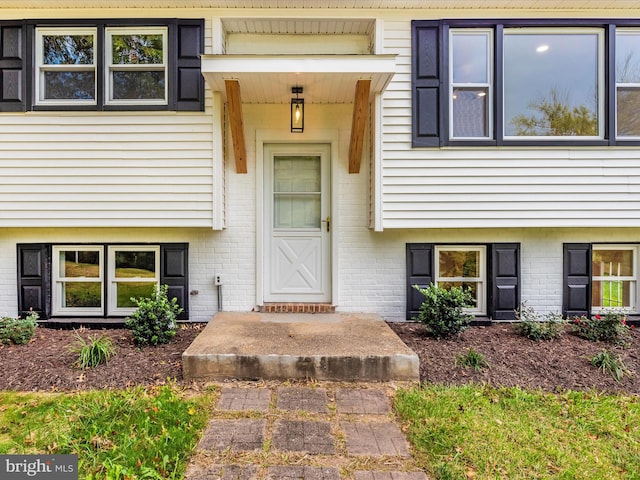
<point>327,79</point>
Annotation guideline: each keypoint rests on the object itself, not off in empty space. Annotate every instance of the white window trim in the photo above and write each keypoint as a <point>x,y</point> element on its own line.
<point>113,308</point>
<point>620,32</point>
<point>57,295</point>
<point>600,79</point>
<point>489,85</point>
<point>41,68</point>
<point>481,280</point>
<point>110,67</point>
<point>633,278</point>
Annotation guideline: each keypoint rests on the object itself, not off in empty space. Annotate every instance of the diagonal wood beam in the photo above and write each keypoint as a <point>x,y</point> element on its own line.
<point>358,124</point>
<point>237,128</point>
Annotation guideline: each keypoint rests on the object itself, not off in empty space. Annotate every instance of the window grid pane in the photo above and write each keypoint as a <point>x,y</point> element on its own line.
<point>552,83</point>
<point>463,267</point>
<point>471,84</point>
<point>614,281</point>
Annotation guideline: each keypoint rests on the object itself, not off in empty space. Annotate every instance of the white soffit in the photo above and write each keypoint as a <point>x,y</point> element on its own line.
<point>325,78</point>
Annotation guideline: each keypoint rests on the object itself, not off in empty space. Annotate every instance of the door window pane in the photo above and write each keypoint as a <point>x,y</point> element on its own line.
<point>552,83</point>
<point>296,189</point>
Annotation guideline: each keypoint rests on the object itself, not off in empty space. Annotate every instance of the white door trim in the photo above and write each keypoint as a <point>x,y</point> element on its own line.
<point>330,137</point>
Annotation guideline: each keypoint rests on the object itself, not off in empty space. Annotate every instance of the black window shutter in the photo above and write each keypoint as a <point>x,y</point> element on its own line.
<point>419,272</point>
<point>504,280</point>
<point>188,83</point>
<point>576,291</point>
<point>12,67</point>
<point>174,272</point>
<point>426,44</point>
<point>34,288</point>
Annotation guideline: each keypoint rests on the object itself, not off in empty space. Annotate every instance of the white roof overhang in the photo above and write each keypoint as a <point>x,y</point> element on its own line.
<point>325,78</point>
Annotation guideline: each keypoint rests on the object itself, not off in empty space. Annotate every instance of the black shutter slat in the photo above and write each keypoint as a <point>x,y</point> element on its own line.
<point>505,280</point>
<point>174,272</point>
<point>12,67</point>
<point>188,88</point>
<point>426,83</point>
<point>33,279</point>
<point>419,272</point>
<point>576,294</point>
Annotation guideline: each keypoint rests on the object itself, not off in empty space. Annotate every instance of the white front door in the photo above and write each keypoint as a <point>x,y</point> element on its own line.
<point>297,260</point>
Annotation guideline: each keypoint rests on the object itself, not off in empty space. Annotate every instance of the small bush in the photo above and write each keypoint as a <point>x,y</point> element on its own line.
<point>610,327</point>
<point>154,322</point>
<point>611,364</point>
<point>442,310</point>
<point>539,327</point>
<point>472,359</point>
<point>92,352</point>
<point>18,331</point>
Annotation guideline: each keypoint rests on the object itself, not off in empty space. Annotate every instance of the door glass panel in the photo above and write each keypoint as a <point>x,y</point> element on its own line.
<point>296,191</point>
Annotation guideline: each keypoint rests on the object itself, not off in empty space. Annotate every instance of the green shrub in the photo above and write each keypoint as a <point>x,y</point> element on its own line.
<point>539,327</point>
<point>154,321</point>
<point>472,359</point>
<point>442,310</point>
<point>92,352</point>
<point>611,364</point>
<point>610,327</point>
<point>18,331</point>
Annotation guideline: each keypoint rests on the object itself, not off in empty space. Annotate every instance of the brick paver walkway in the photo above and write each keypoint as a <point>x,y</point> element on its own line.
<point>303,432</point>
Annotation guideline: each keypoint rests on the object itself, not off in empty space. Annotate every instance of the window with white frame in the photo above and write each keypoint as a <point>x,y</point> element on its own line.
<point>77,274</point>
<point>136,65</point>
<point>65,66</point>
<point>463,266</point>
<point>470,88</point>
<point>134,272</point>
<point>614,281</point>
<point>628,83</point>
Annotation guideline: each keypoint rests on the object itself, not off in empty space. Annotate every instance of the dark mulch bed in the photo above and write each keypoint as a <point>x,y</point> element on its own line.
<point>555,365</point>
<point>46,364</point>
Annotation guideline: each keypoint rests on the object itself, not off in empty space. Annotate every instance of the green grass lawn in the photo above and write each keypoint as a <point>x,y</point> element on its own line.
<point>485,433</point>
<point>117,434</point>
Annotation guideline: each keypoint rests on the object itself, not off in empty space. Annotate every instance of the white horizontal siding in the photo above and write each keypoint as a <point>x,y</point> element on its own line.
<point>106,169</point>
<point>495,187</point>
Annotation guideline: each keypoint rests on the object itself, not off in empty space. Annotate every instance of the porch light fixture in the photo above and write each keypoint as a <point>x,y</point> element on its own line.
<point>297,111</point>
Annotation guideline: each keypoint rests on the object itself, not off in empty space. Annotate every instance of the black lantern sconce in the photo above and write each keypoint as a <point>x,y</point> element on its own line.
<point>297,111</point>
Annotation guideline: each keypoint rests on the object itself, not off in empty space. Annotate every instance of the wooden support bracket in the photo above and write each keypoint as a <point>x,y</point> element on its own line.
<point>237,128</point>
<point>358,124</point>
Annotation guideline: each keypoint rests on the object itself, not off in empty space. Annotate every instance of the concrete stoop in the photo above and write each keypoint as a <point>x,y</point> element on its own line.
<point>333,346</point>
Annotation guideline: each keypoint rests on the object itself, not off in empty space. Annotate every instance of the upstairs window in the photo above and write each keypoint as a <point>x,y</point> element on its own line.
<point>526,82</point>
<point>120,64</point>
<point>66,66</point>
<point>136,60</point>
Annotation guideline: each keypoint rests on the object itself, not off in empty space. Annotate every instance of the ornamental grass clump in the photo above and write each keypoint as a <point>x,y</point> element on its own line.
<point>538,327</point>
<point>154,321</point>
<point>442,310</point>
<point>611,364</point>
<point>610,327</point>
<point>18,331</point>
<point>92,352</point>
<point>472,359</point>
